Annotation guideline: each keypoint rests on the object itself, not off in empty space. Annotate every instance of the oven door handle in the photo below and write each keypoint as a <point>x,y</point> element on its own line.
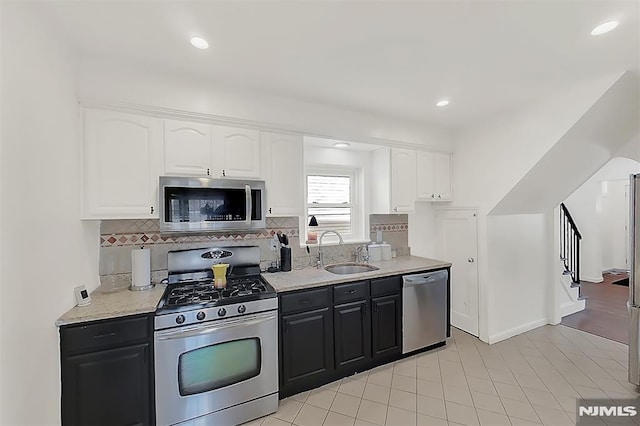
<point>249,202</point>
<point>201,331</point>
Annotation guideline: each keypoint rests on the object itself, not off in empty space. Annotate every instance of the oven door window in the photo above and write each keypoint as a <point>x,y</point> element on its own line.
<point>216,366</point>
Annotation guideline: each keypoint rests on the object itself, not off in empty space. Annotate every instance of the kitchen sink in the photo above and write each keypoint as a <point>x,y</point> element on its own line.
<point>350,268</point>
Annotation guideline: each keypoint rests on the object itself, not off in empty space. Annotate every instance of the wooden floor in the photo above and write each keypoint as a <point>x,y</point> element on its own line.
<point>606,312</point>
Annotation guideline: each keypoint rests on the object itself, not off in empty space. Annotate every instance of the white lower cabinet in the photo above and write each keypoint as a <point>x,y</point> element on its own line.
<point>121,161</point>
<point>283,167</point>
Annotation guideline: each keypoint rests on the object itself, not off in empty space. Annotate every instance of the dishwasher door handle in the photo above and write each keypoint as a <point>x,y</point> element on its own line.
<point>411,281</point>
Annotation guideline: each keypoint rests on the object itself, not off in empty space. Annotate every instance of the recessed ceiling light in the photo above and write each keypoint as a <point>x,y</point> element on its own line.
<point>604,28</point>
<point>442,103</point>
<point>341,144</point>
<point>200,43</point>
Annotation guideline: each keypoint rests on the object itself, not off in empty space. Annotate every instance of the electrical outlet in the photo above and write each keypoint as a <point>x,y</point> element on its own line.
<point>274,244</point>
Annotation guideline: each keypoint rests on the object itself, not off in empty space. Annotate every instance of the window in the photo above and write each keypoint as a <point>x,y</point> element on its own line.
<point>332,199</point>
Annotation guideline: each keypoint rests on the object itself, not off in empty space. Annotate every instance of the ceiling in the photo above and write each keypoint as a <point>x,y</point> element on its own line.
<point>390,58</point>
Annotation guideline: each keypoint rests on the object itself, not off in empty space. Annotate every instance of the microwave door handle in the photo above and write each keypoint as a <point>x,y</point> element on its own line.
<point>247,191</point>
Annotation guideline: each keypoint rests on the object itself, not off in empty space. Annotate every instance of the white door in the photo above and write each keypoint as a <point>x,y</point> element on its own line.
<point>187,148</point>
<point>283,167</point>
<point>236,152</point>
<point>458,244</point>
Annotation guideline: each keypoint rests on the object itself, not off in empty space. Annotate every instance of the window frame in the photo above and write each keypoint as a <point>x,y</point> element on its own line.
<point>355,194</point>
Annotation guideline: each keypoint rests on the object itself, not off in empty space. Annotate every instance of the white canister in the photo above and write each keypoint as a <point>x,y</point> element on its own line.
<point>386,251</point>
<point>375,252</point>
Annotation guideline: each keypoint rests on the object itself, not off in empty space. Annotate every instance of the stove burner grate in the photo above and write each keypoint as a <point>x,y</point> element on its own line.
<point>204,292</point>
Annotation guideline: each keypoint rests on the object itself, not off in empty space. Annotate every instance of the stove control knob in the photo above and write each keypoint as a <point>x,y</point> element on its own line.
<point>200,315</point>
<point>242,309</point>
<point>180,319</point>
<point>222,312</point>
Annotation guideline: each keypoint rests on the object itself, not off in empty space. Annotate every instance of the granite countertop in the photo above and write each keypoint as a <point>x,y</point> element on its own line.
<point>116,300</point>
<point>312,277</point>
<point>112,302</point>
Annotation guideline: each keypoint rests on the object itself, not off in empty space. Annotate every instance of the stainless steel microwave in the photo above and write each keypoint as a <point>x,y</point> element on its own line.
<point>193,204</point>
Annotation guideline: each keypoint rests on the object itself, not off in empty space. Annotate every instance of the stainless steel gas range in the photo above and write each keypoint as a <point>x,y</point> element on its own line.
<point>216,350</point>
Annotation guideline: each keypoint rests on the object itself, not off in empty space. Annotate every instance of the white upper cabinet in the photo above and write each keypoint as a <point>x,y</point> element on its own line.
<point>121,159</point>
<point>283,168</point>
<point>434,176</point>
<point>236,152</point>
<point>187,148</point>
<point>393,181</point>
<point>403,180</point>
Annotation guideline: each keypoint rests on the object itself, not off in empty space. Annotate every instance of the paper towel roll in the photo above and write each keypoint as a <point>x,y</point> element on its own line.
<point>140,268</point>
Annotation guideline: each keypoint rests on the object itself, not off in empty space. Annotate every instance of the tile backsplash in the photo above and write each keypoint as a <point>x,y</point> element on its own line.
<point>119,237</point>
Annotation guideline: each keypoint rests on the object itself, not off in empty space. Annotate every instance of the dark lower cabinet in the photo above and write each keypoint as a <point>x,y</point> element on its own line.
<point>307,347</point>
<point>108,387</point>
<point>352,334</point>
<point>386,325</point>
<point>331,332</point>
<point>107,373</point>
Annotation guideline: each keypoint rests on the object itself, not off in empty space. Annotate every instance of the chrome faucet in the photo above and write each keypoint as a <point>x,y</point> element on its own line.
<point>320,254</point>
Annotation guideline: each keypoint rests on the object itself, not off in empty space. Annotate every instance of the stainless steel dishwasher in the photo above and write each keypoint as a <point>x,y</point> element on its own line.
<point>424,310</point>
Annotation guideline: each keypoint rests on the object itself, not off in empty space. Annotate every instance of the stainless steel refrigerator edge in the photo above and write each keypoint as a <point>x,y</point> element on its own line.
<point>634,281</point>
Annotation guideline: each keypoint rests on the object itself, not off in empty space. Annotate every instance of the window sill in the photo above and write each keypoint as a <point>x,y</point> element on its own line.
<point>333,243</point>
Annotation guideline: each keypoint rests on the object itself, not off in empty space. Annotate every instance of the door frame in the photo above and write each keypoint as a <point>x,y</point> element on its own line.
<point>482,326</point>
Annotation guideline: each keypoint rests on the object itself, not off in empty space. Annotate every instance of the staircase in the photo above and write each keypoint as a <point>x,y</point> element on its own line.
<point>570,248</point>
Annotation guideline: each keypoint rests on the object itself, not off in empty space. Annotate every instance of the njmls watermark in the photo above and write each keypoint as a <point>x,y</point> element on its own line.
<point>592,411</point>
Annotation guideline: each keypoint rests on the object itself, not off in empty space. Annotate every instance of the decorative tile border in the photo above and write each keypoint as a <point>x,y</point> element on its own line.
<point>392,227</point>
<point>148,238</point>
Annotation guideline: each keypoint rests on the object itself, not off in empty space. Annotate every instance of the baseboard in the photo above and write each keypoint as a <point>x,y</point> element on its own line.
<point>572,307</point>
<point>498,337</point>
<point>592,279</point>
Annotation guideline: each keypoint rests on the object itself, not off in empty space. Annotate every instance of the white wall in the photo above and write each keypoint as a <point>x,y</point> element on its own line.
<point>489,160</point>
<point>519,274</point>
<point>46,249</point>
<point>423,235</point>
<point>587,206</point>
<point>104,81</point>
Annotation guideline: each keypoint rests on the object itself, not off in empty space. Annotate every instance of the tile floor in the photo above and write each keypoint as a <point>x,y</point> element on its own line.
<point>533,378</point>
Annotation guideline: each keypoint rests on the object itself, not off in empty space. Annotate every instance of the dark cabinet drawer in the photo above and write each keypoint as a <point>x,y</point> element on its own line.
<point>348,292</point>
<point>304,300</point>
<point>104,334</point>
<point>382,286</point>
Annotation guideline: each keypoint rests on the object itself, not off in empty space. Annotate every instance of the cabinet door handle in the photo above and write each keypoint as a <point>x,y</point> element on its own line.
<point>395,209</point>
<point>269,210</point>
<point>208,172</point>
<point>433,195</point>
<point>351,291</point>
<point>151,209</point>
<point>439,195</point>
<point>224,174</point>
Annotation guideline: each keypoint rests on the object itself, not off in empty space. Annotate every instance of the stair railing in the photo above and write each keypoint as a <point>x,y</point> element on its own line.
<point>570,245</point>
